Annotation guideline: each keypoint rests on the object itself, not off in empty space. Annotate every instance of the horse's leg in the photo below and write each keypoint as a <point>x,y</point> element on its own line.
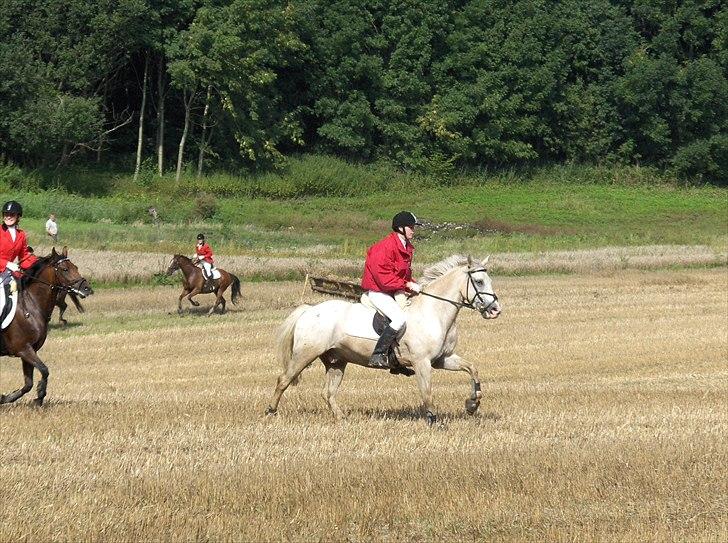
<point>185,292</point>
<point>195,292</point>
<point>334,375</point>
<point>299,361</point>
<point>62,306</point>
<point>218,300</point>
<point>455,363</point>
<point>29,355</point>
<point>423,373</point>
<point>28,374</point>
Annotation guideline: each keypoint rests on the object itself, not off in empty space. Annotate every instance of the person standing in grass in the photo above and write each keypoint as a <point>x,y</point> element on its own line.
<point>51,227</point>
<point>387,272</point>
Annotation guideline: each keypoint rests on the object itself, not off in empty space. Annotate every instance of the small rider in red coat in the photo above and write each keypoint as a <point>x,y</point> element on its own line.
<point>387,271</point>
<point>203,256</point>
<point>13,243</point>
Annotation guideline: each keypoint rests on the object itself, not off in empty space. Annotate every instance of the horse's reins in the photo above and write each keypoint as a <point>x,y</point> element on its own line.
<point>470,303</point>
<point>71,288</point>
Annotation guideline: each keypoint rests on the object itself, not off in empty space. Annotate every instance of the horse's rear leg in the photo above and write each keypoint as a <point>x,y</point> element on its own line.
<point>334,375</point>
<point>195,292</point>
<point>299,361</point>
<point>219,300</point>
<point>455,363</point>
<point>29,356</point>
<point>28,374</point>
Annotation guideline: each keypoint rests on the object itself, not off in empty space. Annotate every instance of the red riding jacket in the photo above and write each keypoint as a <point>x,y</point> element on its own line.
<point>10,250</point>
<point>204,253</point>
<point>388,266</point>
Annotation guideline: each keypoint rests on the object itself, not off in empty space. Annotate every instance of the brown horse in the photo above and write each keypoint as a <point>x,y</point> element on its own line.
<point>27,333</point>
<point>193,283</point>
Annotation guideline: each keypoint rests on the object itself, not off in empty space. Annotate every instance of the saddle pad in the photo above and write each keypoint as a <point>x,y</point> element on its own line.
<point>8,307</point>
<point>359,323</point>
<point>216,274</point>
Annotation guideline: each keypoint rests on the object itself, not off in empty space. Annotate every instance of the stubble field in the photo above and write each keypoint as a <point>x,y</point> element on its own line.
<point>604,418</point>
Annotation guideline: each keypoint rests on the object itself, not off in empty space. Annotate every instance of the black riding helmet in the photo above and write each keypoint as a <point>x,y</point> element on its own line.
<point>404,218</point>
<point>13,207</point>
<point>200,237</point>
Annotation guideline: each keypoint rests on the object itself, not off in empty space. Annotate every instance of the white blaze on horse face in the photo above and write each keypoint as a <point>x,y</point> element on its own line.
<point>484,286</point>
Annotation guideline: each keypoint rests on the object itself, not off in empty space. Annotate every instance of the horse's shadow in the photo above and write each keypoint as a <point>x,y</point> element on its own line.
<point>413,414</point>
<point>202,311</point>
<point>67,326</point>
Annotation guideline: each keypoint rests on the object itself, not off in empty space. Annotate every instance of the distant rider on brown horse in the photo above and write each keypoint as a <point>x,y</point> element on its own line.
<point>388,273</point>
<point>203,258</point>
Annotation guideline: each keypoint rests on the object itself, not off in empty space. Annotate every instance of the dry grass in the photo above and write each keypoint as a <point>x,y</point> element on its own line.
<point>115,266</point>
<point>604,419</point>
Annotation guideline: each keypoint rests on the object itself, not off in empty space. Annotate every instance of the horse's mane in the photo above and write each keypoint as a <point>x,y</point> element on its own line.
<point>184,257</point>
<point>441,268</point>
<point>30,274</point>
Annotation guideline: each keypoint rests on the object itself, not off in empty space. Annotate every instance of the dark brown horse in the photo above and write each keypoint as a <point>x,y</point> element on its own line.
<point>26,334</point>
<point>193,283</point>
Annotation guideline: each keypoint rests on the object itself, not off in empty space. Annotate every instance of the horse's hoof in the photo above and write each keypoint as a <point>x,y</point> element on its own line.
<point>271,412</point>
<point>2,398</point>
<point>38,402</point>
<point>431,418</point>
<point>471,406</point>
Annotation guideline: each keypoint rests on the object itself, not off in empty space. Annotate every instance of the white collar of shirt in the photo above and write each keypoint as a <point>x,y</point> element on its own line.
<point>402,239</point>
<point>13,232</point>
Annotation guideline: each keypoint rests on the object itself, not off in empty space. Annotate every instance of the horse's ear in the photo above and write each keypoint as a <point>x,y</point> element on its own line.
<point>470,261</point>
<point>65,251</point>
<point>53,252</point>
<point>485,261</point>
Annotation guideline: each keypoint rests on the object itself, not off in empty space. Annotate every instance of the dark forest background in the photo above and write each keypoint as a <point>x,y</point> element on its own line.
<point>427,85</point>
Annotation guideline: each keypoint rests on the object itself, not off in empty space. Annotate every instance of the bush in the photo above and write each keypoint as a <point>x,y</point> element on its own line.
<point>703,160</point>
<point>205,206</point>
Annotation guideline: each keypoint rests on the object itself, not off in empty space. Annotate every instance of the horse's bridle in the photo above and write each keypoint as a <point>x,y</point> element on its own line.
<point>476,302</point>
<point>72,287</point>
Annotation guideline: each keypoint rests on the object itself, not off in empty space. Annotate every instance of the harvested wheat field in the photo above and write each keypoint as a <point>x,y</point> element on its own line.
<point>604,418</point>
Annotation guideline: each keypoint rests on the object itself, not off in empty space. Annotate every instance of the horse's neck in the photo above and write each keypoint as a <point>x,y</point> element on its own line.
<point>187,266</point>
<point>41,293</point>
<point>448,286</point>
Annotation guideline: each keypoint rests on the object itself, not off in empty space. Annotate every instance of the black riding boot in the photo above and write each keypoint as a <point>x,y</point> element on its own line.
<point>380,358</point>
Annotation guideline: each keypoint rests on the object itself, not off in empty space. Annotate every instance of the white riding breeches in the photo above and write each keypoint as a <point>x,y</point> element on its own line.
<point>208,268</point>
<point>388,305</point>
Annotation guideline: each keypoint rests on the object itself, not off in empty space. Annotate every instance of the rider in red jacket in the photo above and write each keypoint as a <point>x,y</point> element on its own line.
<point>388,270</point>
<point>13,243</point>
<point>203,255</point>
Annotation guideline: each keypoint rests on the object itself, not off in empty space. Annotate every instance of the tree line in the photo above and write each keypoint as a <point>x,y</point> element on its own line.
<point>426,84</point>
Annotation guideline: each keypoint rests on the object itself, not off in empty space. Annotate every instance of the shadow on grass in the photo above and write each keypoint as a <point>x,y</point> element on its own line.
<point>67,326</point>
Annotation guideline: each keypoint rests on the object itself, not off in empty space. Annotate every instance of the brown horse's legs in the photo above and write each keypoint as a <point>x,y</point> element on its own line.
<point>334,376</point>
<point>423,372</point>
<point>185,292</point>
<point>29,355</point>
<point>28,375</point>
<point>455,363</point>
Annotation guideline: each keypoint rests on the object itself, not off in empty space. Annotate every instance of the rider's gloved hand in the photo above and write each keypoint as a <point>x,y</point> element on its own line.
<point>12,266</point>
<point>414,287</point>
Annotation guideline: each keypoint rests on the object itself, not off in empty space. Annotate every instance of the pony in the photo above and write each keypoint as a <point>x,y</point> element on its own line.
<point>27,332</point>
<point>339,332</point>
<point>193,283</point>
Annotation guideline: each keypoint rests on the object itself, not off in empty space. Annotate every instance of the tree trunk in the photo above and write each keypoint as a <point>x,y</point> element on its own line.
<point>104,109</point>
<point>160,115</point>
<point>183,139</point>
<point>141,119</point>
<point>203,143</point>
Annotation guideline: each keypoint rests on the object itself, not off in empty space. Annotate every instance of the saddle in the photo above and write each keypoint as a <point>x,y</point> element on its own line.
<point>380,322</point>
<point>8,298</point>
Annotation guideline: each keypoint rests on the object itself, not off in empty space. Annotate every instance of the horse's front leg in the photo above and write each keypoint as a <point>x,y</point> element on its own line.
<point>185,292</point>
<point>423,373</point>
<point>29,356</point>
<point>195,292</point>
<point>62,306</point>
<point>455,363</point>
<point>28,375</point>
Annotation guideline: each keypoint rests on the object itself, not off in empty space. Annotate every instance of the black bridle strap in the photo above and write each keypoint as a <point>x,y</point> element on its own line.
<point>60,287</point>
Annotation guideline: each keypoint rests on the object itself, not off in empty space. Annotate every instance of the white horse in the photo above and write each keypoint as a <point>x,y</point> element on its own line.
<point>340,332</point>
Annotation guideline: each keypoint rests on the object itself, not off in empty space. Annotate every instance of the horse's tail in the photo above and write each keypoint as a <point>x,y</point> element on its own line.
<point>76,302</point>
<point>285,338</point>
<point>236,289</point>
